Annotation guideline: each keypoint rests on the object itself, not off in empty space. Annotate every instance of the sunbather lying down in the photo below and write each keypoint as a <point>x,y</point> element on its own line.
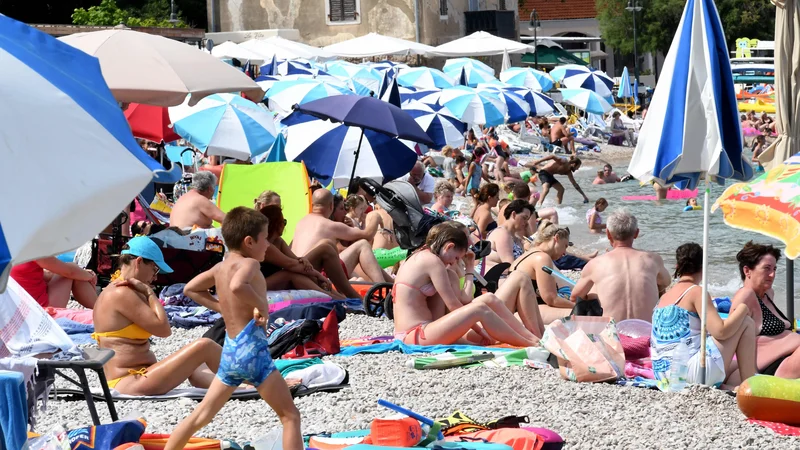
<point>425,290</point>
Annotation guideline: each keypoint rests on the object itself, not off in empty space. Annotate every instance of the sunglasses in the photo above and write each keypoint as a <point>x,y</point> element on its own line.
<point>156,270</point>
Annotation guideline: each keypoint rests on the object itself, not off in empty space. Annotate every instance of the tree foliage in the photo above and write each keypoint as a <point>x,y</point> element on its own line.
<point>658,20</point>
<point>154,13</point>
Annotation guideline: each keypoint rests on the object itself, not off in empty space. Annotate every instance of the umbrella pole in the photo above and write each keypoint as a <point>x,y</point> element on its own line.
<point>355,162</point>
<point>790,290</point>
<point>704,292</point>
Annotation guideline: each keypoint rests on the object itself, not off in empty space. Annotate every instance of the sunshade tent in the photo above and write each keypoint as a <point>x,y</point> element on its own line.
<point>231,50</point>
<point>374,44</point>
<point>552,56</point>
<point>692,131</point>
<point>97,168</point>
<point>481,43</point>
<point>150,69</point>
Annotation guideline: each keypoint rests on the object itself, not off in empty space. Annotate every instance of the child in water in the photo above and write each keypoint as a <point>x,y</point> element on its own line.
<point>593,219</point>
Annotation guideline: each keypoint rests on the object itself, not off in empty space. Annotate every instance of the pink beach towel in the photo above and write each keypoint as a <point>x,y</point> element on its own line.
<point>780,428</point>
<point>83,316</point>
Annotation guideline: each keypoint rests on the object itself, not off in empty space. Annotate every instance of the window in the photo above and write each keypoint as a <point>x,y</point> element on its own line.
<point>443,8</point>
<point>343,11</point>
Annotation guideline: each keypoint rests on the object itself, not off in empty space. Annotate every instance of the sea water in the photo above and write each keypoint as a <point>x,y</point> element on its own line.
<point>663,227</point>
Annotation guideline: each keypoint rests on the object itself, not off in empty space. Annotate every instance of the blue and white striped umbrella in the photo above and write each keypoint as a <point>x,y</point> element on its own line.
<point>385,65</point>
<point>425,78</point>
<point>440,124</point>
<point>586,100</point>
<point>539,103</point>
<point>517,107</point>
<point>225,125</point>
<point>625,90</point>
<point>430,96</point>
<point>692,130</point>
<point>527,77</point>
<point>474,107</point>
<point>361,79</point>
<point>58,194</point>
<point>472,77</point>
<point>328,151</point>
<point>568,70</point>
<point>455,65</point>
<point>595,81</point>
<point>283,95</point>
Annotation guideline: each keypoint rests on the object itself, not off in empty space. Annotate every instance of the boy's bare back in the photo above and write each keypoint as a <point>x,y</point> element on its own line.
<point>235,274</point>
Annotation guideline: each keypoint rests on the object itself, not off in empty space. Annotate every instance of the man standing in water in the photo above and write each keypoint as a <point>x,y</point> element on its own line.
<point>557,166</point>
<point>628,282</point>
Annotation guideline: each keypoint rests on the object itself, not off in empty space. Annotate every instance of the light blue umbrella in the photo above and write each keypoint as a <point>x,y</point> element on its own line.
<point>59,194</point>
<point>410,93</point>
<point>474,107</point>
<point>586,100</point>
<point>456,64</point>
<point>471,76</point>
<point>624,90</point>
<point>362,80</point>
<point>440,124</point>
<point>527,77</point>
<point>692,130</point>
<point>540,104</point>
<point>568,70</point>
<point>517,107</point>
<point>283,95</point>
<point>594,80</point>
<point>424,78</point>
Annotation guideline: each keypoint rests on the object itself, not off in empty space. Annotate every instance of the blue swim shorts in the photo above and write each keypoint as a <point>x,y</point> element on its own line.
<point>246,357</point>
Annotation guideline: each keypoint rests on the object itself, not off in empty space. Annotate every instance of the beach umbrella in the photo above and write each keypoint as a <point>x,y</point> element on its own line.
<point>586,100</point>
<point>472,77</point>
<point>154,70</point>
<point>59,194</point>
<point>594,81</point>
<point>456,64</point>
<point>391,93</point>
<point>225,125</point>
<point>362,80</point>
<point>267,81</point>
<point>382,66</point>
<point>231,50</point>
<point>297,49</point>
<point>334,152</point>
<point>430,96</point>
<point>539,103</point>
<point>567,70</point>
<point>150,122</point>
<point>283,95</point>
<point>425,78</point>
<point>295,67</point>
<point>692,131</point>
<point>625,90</point>
<point>373,44</point>
<point>473,106</point>
<point>517,107</point>
<point>527,77</point>
<point>438,122</point>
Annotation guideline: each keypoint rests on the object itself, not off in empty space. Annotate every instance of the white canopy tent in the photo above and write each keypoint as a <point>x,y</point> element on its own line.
<point>374,44</point>
<point>481,43</point>
<point>230,50</point>
<point>302,50</point>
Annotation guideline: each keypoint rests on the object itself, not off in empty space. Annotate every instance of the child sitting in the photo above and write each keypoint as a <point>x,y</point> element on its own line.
<point>593,218</point>
<point>245,357</point>
<point>356,206</point>
<point>599,178</point>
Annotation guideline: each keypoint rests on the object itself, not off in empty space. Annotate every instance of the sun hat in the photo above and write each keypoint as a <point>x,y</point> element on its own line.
<point>144,247</point>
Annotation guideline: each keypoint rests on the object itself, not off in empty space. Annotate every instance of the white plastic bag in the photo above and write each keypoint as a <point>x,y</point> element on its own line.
<point>271,441</point>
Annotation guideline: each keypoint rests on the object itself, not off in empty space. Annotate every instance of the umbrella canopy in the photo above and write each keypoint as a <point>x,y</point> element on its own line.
<point>374,44</point>
<point>456,64</point>
<point>527,77</point>
<point>517,107</point>
<point>225,125</point>
<point>270,50</point>
<point>299,50</point>
<point>294,67</point>
<point>283,95</point>
<point>382,66</point>
<point>787,83</point>
<point>409,93</point>
<point>150,69</point>
<point>231,50</point>
<point>334,152</point>
<point>551,56</point>
<point>594,81</point>
<point>266,81</point>
<point>473,106</point>
<point>625,90</point>
<point>98,166</point>
<point>150,122</point>
<point>361,79</point>
<point>568,70</point>
<point>481,43</point>
<point>539,103</point>
<point>425,78</point>
<point>472,77</point>
<point>438,122</point>
<point>586,100</point>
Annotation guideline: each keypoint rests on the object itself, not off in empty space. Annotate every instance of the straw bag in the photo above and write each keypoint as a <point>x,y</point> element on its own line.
<point>588,348</point>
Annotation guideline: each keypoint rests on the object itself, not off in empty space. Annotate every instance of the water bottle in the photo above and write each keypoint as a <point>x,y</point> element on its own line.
<point>679,369</point>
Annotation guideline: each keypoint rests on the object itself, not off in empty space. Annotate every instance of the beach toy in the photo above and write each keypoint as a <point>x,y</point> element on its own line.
<point>558,275</point>
<point>409,413</point>
<point>388,258</point>
<point>672,194</point>
<point>764,397</point>
<point>692,208</point>
<point>395,432</point>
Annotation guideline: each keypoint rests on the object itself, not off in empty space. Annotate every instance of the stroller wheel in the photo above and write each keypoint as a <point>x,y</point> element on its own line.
<point>374,299</point>
<point>388,306</point>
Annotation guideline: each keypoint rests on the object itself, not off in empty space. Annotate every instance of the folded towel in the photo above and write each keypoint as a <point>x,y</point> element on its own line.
<point>13,410</point>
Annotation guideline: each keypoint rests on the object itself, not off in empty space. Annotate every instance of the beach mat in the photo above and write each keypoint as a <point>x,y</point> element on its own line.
<point>399,346</point>
<point>239,185</point>
<point>191,393</point>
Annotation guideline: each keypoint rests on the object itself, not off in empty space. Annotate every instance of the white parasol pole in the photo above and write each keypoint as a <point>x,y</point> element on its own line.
<point>704,291</point>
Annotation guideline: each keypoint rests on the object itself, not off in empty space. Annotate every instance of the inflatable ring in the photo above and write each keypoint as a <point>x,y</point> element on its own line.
<point>692,208</point>
<point>764,397</point>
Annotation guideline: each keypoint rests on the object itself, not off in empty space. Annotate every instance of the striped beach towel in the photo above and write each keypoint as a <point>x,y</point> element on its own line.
<point>25,328</point>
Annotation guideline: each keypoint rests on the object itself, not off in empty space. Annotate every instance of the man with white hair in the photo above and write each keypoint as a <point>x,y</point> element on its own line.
<point>628,282</point>
<point>422,181</point>
<point>195,207</point>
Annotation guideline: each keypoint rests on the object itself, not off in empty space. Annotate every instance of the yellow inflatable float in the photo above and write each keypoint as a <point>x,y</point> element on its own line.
<point>764,397</point>
<point>757,106</point>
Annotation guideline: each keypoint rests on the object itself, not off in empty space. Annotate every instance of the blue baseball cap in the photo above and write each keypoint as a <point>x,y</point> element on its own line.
<point>144,247</point>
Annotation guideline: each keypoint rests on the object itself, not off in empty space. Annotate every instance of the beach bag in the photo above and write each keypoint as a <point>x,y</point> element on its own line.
<point>588,349</point>
<point>107,435</point>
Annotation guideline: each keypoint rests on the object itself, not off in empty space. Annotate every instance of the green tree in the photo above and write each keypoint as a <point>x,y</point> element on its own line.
<point>154,13</point>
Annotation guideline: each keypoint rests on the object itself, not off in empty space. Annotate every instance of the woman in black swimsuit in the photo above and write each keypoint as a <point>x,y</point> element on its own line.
<point>778,345</point>
<point>486,199</point>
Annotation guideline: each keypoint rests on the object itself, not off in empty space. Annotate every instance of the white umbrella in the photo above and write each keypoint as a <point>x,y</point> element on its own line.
<point>154,70</point>
<point>481,43</point>
<point>269,50</point>
<point>300,49</point>
<point>373,44</point>
<point>231,50</point>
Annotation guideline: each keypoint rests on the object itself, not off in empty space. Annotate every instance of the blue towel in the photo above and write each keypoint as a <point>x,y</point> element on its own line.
<point>13,410</point>
<point>190,317</point>
<point>399,346</point>
<point>80,333</point>
<point>723,304</point>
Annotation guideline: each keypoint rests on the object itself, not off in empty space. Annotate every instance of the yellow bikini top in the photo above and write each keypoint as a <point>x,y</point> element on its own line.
<point>132,331</point>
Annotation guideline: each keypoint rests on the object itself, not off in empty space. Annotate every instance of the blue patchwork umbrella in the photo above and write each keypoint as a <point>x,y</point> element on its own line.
<point>474,107</point>
<point>586,100</point>
<point>567,70</point>
<point>517,107</point>
<point>362,80</point>
<point>539,103</point>
<point>410,93</point>
<point>424,78</point>
<point>283,95</point>
<point>527,77</point>
<point>438,122</point>
<point>456,64</point>
<point>472,77</point>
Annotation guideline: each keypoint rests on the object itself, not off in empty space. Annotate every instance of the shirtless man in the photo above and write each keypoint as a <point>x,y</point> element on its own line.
<point>557,166</point>
<point>317,227</point>
<point>559,136</point>
<point>608,175</point>
<point>195,208</point>
<point>628,282</point>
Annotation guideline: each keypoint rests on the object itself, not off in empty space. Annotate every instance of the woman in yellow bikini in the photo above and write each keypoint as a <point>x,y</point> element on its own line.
<point>128,313</point>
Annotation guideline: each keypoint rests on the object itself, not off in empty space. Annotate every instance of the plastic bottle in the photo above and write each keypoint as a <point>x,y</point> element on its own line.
<point>679,369</point>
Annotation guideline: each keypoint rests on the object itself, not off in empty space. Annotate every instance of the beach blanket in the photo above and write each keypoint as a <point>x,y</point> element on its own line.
<point>777,427</point>
<point>25,328</point>
<point>639,382</point>
<point>504,359</point>
<point>367,340</point>
<point>76,315</point>
<point>402,347</point>
<point>80,333</point>
<point>190,317</point>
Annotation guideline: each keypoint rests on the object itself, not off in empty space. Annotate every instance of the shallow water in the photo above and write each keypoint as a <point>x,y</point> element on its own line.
<point>663,227</point>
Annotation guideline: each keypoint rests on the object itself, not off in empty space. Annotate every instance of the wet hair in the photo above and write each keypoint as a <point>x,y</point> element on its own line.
<point>517,206</point>
<point>609,167</point>
<point>548,230</point>
<point>622,225</point>
<point>443,187</point>
<point>688,259</point>
<point>204,181</point>
<point>743,117</point>
<point>241,222</point>
<point>267,197</point>
<point>353,201</point>
<point>689,200</point>
<point>750,255</point>
<point>600,202</point>
<point>521,191</point>
<point>562,120</point>
<point>486,192</point>
<point>576,161</point>
<point>442,234</point>
<point>274,215</point>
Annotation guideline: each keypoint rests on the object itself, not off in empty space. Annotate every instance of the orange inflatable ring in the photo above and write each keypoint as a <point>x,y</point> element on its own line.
<point>764,397</point>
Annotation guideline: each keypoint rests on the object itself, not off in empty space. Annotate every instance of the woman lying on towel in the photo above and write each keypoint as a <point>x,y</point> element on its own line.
<point>424,292</point>
<point>128,313</point>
